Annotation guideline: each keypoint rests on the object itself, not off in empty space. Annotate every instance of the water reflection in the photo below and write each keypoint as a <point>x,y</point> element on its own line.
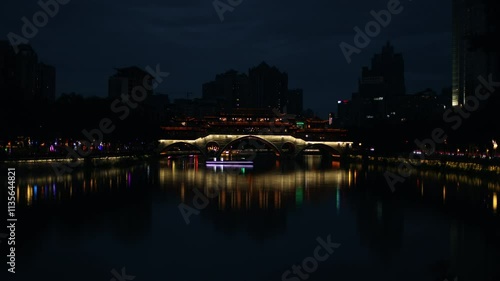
<point>47,187</point>
<point>245,188</point>
<point>277,186</point>
<point>432,220</point>
<point>494,202</point>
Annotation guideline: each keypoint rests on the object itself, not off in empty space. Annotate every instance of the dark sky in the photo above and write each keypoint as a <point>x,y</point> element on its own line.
<point>85,40</point>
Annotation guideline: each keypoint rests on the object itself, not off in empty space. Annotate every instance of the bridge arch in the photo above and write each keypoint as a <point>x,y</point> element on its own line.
<point>332,151</point>
<point>288,147</point>
<point>212,147</point>
<point>180,145</point>
<point>250,137</point>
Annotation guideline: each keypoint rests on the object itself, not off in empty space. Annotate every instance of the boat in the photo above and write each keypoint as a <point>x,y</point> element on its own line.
<point>230,163</point>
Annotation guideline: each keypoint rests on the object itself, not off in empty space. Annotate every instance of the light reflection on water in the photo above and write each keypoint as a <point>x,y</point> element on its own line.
<point>46,186</point>
<point>494,203</point>
<point>241,187</point>
<point>280,203</point>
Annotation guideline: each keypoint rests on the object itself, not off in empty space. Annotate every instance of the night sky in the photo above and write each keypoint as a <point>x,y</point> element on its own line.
<point>86,40</point>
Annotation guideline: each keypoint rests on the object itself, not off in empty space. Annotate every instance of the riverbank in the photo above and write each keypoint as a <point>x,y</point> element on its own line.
<point>477,166</point>
<point>80,163</point>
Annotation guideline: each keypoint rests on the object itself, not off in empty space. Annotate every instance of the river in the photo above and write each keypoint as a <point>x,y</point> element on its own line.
<point>269,222</point>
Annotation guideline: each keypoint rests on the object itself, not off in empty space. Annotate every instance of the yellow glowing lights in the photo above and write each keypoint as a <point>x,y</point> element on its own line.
<point>495,202</point>
<point>29,195</point>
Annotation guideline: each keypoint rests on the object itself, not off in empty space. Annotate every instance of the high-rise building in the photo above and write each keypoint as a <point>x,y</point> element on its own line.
<point>27,73</point>
<point>458,53</point>
<point>230,90</point>
<point>128,78</point>
<point>47,74</point>
<point>475,49</point>
<point>263,87</point>
<point>22,77</point>
<point>379,86</point>
<point>344,113</point>
<point>117,86</point>
<point>209,90</point>
<point>294,102</point>
<point>7,71</point>
<point>268,87</point>
<point>385,77</point>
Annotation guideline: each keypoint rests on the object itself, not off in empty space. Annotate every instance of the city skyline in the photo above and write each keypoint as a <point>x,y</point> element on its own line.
<point>308,51</point>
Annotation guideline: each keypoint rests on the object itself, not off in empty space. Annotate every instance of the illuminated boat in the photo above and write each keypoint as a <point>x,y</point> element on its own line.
<point>230,163</point>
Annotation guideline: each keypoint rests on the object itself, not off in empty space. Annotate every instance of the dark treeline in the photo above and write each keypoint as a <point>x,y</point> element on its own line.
<point>72,113</point>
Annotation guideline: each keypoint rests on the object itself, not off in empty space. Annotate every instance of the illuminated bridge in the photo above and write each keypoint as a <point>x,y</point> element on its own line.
<point>214,145</point>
